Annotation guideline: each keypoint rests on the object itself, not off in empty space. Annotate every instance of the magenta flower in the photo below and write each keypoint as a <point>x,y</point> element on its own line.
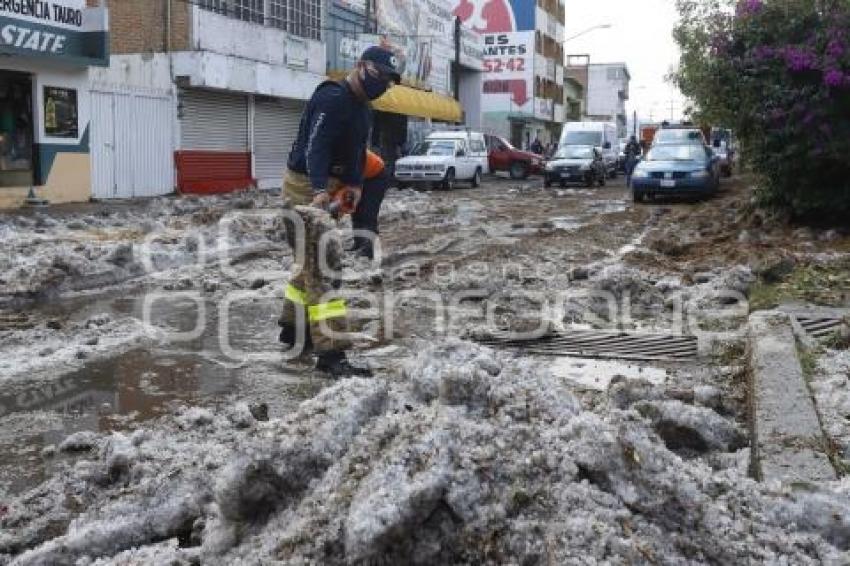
<point>835,48</point>
<point>833,78</point>
<point>749,7</point>
<point>798,60</point>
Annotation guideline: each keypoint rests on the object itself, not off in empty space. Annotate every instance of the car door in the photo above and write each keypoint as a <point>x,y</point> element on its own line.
<point>464,160</point>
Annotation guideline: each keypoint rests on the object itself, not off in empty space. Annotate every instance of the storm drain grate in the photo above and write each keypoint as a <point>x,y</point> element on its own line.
<point>605,345</point>
<point>15,321</point>
<point>820,328</point>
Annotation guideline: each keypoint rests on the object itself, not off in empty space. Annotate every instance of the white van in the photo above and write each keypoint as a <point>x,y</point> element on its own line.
<point>445,158</point>
<point>602,135</point>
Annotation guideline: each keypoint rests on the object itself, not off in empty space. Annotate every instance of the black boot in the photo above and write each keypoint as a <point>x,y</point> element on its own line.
<point>289,336</point>
<point>336,365</point>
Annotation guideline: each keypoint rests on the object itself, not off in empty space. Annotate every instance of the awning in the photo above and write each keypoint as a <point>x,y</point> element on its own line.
<point>402,99</point>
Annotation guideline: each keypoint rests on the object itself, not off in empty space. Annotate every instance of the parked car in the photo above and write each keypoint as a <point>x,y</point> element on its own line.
<point>602,135</point>
<point>441,163</point>
<point>576,164</point>
<point>678,135</point>
<point>685,169</point>
<point>502,156</point>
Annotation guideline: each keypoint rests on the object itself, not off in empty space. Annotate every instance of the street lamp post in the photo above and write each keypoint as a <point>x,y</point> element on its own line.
<point>588,30</point>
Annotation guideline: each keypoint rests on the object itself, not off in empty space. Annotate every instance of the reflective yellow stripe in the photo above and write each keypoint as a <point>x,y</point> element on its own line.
<point>296,295</point>
<point>326,311</point>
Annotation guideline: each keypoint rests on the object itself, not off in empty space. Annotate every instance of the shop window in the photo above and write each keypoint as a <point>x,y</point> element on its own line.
<point>16,130</point>
<point>60,113</point>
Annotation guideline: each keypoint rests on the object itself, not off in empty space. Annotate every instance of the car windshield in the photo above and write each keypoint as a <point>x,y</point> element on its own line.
<point>676,153</point>
<point>574,152</point>
<point>440,148</point>
<point>678,136</point>
<point>583,138</point>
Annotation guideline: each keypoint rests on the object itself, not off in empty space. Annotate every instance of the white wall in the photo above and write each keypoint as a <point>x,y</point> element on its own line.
<point>211,70</point>
<point>137,72</point>
<point>262,44</point>
<point>603,94</point>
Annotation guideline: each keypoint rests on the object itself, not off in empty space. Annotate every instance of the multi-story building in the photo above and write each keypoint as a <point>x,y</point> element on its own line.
<point>523,94</point>
<point>606,87</point>
<point>204,96</point>
<point>46,50</point>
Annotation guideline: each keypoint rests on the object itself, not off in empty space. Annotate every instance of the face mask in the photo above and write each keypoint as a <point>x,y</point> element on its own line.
<point>374,87</point>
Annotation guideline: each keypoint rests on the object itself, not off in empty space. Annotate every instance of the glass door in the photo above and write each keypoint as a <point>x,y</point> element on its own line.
<point>16,130</point>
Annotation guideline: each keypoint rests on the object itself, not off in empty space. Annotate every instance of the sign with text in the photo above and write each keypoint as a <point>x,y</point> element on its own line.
<point>509,72</point>
<point>60,112</point>
<point>62,29</point>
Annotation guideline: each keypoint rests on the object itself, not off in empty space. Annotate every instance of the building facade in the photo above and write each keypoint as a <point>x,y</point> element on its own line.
<point>523,91</point>
<point>606,87</point>
<point>45,100</point>
<point>203,96</point>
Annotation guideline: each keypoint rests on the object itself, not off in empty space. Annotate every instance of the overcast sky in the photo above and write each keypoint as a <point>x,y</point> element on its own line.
<point>640,36</point>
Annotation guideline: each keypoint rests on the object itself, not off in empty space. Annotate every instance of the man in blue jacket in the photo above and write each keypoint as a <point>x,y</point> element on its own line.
<point>326,163</point>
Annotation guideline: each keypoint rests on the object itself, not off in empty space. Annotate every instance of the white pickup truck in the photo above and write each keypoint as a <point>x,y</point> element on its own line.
<point>443,159</point>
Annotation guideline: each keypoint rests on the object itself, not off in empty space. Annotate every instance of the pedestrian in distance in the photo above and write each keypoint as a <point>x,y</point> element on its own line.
<point>633,152</point>
<point>325,174</point>
<point>537,146</point>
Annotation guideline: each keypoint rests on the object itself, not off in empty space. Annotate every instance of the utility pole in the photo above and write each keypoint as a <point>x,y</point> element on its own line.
<point>456,74</point>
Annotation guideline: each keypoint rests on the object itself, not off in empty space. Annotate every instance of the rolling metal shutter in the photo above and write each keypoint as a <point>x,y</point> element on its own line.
<point>214,121</point>
<point>275,128</point>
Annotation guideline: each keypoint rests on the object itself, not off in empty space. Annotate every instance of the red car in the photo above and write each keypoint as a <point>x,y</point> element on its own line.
<point>505,157</point>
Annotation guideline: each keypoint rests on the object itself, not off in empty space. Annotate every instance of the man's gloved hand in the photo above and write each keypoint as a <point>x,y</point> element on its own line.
<point>344,201</point>
<point>321,200</point>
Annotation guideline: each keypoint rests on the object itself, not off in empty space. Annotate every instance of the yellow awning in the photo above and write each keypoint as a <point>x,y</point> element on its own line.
<point>402,99</point>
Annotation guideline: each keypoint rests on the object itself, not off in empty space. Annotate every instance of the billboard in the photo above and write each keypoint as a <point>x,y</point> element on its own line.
<point>496,16</point>
<point>422,34</point>
<point>508,30</point>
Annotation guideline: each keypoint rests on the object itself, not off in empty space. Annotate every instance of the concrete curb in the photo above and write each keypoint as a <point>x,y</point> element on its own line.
<point>788,443</point>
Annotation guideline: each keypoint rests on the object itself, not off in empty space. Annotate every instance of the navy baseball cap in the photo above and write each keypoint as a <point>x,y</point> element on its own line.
<point>385,60</point>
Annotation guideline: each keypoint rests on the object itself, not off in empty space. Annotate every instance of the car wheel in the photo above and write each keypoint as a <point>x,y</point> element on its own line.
<point>590,180</point>
<point>518,170</point>
<point>449,180</point>
<point>476,179</point>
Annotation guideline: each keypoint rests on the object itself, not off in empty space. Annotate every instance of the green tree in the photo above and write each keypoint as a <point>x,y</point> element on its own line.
<point>778,73</point>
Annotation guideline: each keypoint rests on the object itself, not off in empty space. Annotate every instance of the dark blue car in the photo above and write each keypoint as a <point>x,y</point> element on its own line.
<point>676,170</point>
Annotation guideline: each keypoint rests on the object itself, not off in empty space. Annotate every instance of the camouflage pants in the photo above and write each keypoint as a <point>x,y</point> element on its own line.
<point>306,307</point>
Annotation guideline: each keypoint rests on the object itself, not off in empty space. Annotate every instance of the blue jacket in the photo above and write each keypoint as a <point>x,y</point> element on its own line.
<point>332,137</point>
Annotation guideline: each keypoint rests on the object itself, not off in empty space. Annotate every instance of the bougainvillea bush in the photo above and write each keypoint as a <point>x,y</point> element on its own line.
<point>778,73</point>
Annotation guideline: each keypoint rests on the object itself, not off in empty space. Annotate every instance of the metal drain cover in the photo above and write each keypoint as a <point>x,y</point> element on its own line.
<point>15,321</point>
<point>604,345</point>
<point>820,328</point>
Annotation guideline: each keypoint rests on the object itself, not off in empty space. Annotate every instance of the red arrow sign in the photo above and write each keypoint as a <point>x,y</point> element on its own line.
<point>517,88</point>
